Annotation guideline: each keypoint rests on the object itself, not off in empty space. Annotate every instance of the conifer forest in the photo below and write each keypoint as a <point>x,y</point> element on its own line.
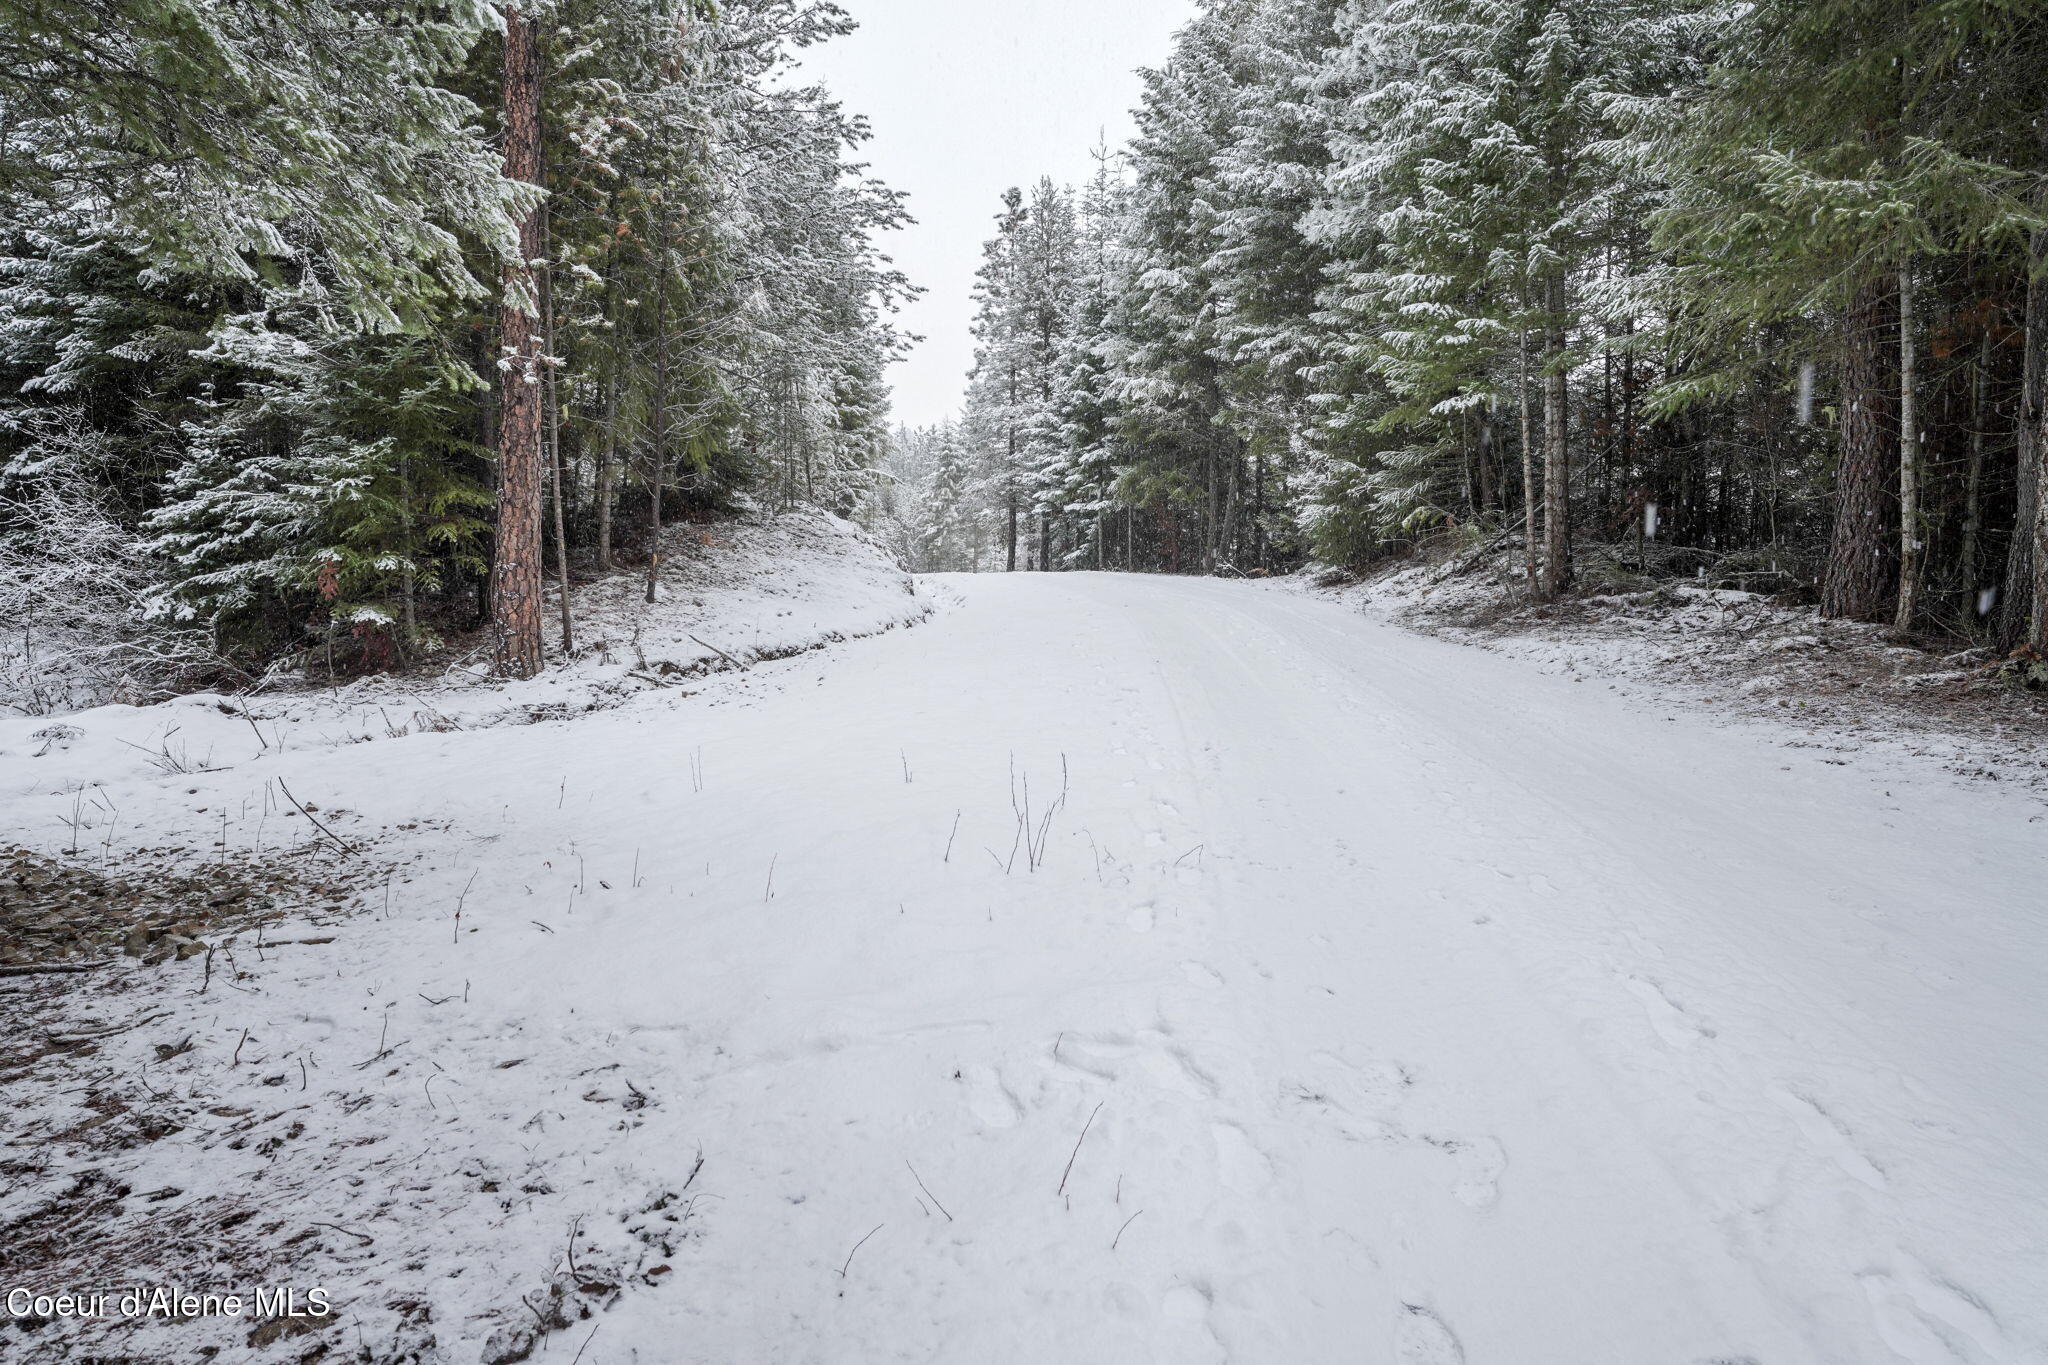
<point>1024,682</point>
<point>1751,292</point>
<point>332,328</point>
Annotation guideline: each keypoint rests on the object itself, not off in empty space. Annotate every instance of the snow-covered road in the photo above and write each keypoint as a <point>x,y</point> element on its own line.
<point>1374,999</point>
<point>1417,1000</point>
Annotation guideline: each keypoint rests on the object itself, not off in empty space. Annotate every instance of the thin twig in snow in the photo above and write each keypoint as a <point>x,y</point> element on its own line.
<point>340,843</point>
<point>382,1051</point>
<point>1077,1147</point>
<point>857,1246</point>
<point>719,652</point>
<point>927,1189</point>
<point>365,1238</point>
<point>1120,1231</point>
<point>252,725</point>
<point>458,903</point>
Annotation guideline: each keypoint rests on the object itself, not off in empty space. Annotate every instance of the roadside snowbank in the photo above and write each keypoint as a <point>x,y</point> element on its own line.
<point>732,595</point>
<point>1732,651</point>
<point>344,1058</point>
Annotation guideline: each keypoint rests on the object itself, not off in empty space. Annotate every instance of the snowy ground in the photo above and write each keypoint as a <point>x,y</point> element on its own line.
<point>1845,684</point>
<point>1336,994</point>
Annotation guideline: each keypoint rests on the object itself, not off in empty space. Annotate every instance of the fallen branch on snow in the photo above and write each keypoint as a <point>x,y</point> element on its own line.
<point>47,968</point>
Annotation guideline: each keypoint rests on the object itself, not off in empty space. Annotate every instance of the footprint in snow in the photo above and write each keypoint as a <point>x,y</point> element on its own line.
<point>1670,1021</point>
<point>1373,1088</point>
<point>1149,1058</point>
<point>1201,975</point>
<point>1240,1165</point>
<point>1827,1137</point>
<point>989,1100</point>
<point>1480,1162</point>
<point>1930,1321</point>
<point>1420,1338</point>
<point>1187,1303</point>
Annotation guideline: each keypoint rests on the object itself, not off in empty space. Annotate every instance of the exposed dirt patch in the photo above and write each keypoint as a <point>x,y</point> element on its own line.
<point>54,910</point>
<point>89,1066</point>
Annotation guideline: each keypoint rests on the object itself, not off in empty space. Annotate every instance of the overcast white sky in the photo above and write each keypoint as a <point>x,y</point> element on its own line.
<point>968,97</point>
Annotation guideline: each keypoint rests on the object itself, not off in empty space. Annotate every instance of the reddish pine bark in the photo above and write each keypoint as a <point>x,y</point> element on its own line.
<point>516,568</point>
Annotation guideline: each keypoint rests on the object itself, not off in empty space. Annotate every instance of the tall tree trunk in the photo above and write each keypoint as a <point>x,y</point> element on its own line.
<point>660,452</point>
<point>2020,617</point>
<point>607,462</point>
<point>1209,529</point>
<point>1226,536</point>
<point>1609,477</point>
<point>1909,454</point>
<point>515,567</point>
<point>554,425</point>
<point>1557,487</point>
<point>1858,581</point>
<point>1259,539</point>
<point>2037,632</point>
<point>1973,482</point>
<point>1010,556</point>
<point>1530,499</point>
<point>2037,422</point>
<point>1010,490</point>
<point>408,578</point>
<point>1486,497</point>
<point>1628,405</point>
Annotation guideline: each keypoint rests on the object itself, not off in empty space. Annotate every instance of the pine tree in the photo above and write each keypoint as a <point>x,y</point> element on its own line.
<point>312,145</point>
<point>1808,180</point>
<point>262,250</point>
<point>1185,459</point>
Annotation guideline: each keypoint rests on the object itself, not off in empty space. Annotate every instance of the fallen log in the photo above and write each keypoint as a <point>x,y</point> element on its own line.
<point>43,968</point>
